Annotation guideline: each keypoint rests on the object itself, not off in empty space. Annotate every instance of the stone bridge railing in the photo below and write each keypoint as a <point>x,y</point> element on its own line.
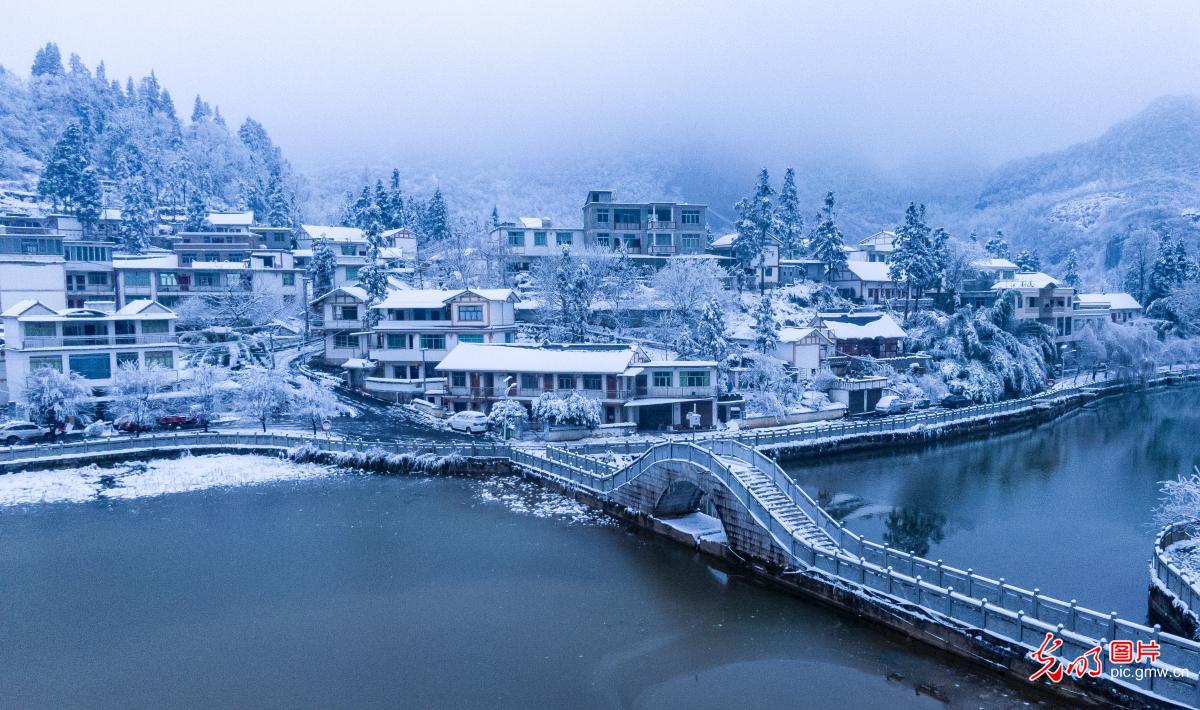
<point>1180,588</point>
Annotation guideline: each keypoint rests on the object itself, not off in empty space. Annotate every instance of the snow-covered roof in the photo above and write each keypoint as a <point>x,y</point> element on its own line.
<point>398,232</point>
<point>110,214</point>
<point>678,363</point>
<point>534,222</point>
<point>33,310</point>
<point>354,291</point>
<point>1027,279</point>
<point>358,363</point>
<point>20,307</point>
<point>601,360</point>
<point>302,253</point>
<point>858,326</point>
<point>882,241</point>
<point>795,335</point>
<point>1115,301</point>
<point>876,271</point>
<point>231,219</point>
<point>144,307</point>
<point>724,241</point>
<point>217,266</point>
<point>333,234</point>
<point>994,264</point>
<point>146,261</point>
<point>436,298</point>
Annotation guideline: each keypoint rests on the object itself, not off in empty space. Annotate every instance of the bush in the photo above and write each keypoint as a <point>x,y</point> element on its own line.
<point>572,410</point>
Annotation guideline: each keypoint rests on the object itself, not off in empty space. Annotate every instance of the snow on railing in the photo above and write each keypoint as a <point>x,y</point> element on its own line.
<point>1180,586</point>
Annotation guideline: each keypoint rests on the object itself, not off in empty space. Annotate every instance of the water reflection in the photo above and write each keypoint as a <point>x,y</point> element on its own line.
<point>913,530</point>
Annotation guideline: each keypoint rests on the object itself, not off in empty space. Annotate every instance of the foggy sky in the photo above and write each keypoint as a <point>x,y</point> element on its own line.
<point>350,81</point>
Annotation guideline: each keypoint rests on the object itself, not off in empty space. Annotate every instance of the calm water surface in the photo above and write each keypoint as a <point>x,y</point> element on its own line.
<point>1065,507</point>
<point>362,591</point>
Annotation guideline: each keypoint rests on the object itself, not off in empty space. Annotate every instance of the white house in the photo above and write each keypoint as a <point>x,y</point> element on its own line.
<point>342,319</point>
<point>92,341</point>
<point>1122,307</point>
<point>1043,299</point>
<point>805,349</point>
<point>867,281</point>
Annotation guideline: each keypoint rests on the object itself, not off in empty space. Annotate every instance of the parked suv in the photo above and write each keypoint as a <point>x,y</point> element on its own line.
<point>468,421</point>
<point>17,432</point>
<point>892,404</point>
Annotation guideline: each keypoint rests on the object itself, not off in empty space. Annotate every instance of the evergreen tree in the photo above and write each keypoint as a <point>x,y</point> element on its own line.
<point>495,219</point>
<point>756,225</point>
<point>1028,261</point>
<point>356,209</point>
<point>138,218</point>
<point>373,276</point>
<point>791,224</point>
<point>200,110</point>
<point>1171,269</point>
<point>323,266</point>
<point>47,61</point>
<point>1071,277</point>
<point>148,93</point>
<point>827,244</point>
<point>1137,273</point>
<point>997,247</point>
<point>567,286</point>
<point>396,215</point>
<point>88,198</point>
<point>437,220</point>
<point>710,342</point>
<point>196,216</point>
<point>766,329</point>
<point>914,264</point>
<point>384,203</point>
<point>62,176</point>
<point>278,203</point>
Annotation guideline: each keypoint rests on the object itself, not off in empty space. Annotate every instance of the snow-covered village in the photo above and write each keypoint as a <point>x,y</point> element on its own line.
<point>786,356</point>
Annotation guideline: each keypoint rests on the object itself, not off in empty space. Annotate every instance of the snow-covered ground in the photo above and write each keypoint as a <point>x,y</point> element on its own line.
<point>528,498</point>
<point>151,478</point>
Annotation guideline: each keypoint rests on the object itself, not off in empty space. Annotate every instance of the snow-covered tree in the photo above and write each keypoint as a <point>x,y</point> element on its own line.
<point>314,402</point>
<point>686,287</point>
<point>1071,270</point>
<point>47,61</point>
<point>620,286</point>
<point>1028,260</point>
<point>261,393</point>
<point>709,334</point>
<point>196,217</point>
<point>134,389</point>
<point>1090,353</point>
<point>138,217</point>
<point>394,214</point>
<point>768,388</point>
<point>1180,505</point>
<point>914,263</point>
<point>1171,269</point>
<point>766,329</point>
<point>790,223</point>
<point>436,224</point>
<point>67,179</point>
<point>52,397</point>
<point>1137,260</point>
<point>572,410</point>
<point>828,247</point>
<point>997,246</point>
<point>373,276</point>
<point>508,415</point>
<point>208,391</point>
<point>756,225</point>
<point>494,218</point>
<point>567,285</point>
<point>323,267</point>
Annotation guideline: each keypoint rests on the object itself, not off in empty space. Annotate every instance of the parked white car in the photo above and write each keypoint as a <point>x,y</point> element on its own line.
<point>468,421</point>
<point>892,404</point>
<point>17,432</point>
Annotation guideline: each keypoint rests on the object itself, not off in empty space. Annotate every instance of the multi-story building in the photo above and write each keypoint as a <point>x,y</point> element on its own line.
<point>32,268</point>
<point>629,385</point>
<point>877,247</point>
<point>342,320</point>
<point>417,328</point>
<point>866,281</point>
<point>93,341</point>
<point>89,272</point>
<point>159,276</point>
<point>863,334</point>
<point>1041,298</point>
<point>652,228</point>
<point>1118,307</point>
<point>534,237</point>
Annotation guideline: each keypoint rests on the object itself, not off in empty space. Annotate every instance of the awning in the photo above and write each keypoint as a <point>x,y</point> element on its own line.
<point>357,363</point>
<point>651,401</point>
<point>632,372</point>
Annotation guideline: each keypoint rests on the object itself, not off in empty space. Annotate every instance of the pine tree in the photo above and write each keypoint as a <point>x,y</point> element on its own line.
<point>791,224</point>
<point>69,159</point>
<point>495,219</point>
<point>827,244</point>
<point>1071,277</point>
<point>323,266</point>
<point>47,61</point>
<point>756,225</point>
<point>997,247</point>
<point>709,336</point>
<point>1171,269</point>
<point>397,217</point>
<point>373,276</point>
<point>200,110</point>
<point>137,215</point>
<point>278,204</point>
<point>766,329</point>
<point>437,220</point>
<point>88,198</point>
<point>1028,261</point>
<point>384,203</point>
<point>913,264</point>
<point>196,217</point>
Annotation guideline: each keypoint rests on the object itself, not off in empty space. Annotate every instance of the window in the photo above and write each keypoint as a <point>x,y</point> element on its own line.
<point>93,367</point>
<point>602,239</point>
<point>289,279</point>
<point>433,342</point>
<point>351,273</point>
<point>97,278</point>
<point>137,278</point>
<point>566,382</point>
<point>458,379</point>
<point>508,337</point>
<point>37,363</point>
<point>395,314</point>
<point>690,217</point>
<point>127,359</point>
<point>167,279</point>
<point>529,382</point>
<point>691,241</point>
<point>592,382</point>
<point>662,240</point>
<point>470,313</point>
<point>664,378</point>
<point>1032,302</point>
<point>345,312</point>
<point>602,216</point>
<point>539,239</point>
<point>769,271</point>
<point>206,279</point>
<point>693,378</point>
<point>563,238</point>
<point>349,250</point>
<point>471,338</point>
<point>397,341</point>
<point>40,330</point>
<point>155,326</point>
<point>662,214</point>
<point>345,341</point>
<point>162,358</point>
<point>628,217</point>
<point>516,239</point>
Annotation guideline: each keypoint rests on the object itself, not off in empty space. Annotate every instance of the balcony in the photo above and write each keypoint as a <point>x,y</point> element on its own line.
<point>627,226</point>
<point>91,289</point>
<point>37,342</point>
<point>428,385</point>
<point>661,249</point>
<point>660,225</point>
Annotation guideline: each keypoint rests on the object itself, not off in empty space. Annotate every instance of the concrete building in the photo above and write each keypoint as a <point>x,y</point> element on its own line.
<point>867,281</point>
<point>1120,307</point>
<point>863,334</point>
<point>629,385</point>
<point>531,238</point>
<point>32,267</point>
<point>92,341</point>
<point>805,349</point>
<point>876,248</point>
<point>651,228</point>
<point>1041,298</point>
<point>159,276</point>
<point>341,320</point>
